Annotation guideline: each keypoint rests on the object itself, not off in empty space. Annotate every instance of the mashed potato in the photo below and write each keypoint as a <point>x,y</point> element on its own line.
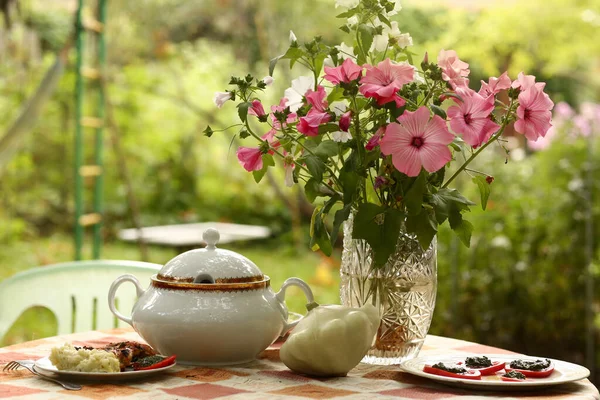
<point>68,358</point>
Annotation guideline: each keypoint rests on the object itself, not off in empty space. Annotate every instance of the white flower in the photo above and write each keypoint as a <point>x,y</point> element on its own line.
<point>289,174</point>
<point>345,51</point>
<point>346,3</point>
<point>391,34</point>
<point>341,136</point>
<point>268,80</point>
<point>339,107</point>
<point>328,62</point>
<point>299,88</point>
<point>293,38</point>
<point>221,97</point>
<point>352,21</point>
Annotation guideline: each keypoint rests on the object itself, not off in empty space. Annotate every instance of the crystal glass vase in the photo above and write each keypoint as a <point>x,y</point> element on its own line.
<point>404,290</point>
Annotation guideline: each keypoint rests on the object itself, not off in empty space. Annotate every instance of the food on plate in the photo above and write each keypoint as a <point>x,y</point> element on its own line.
<point>128,352</point>
<point>153,362</point>
<point>115,357</point>
<point>452,371</point>
<point>513,376</point>
<point>484,365</point>
<point>70,358</point>
<point>530,368</point>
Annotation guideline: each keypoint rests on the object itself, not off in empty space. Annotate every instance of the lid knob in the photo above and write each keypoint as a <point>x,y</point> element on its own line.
<point>211,236</point>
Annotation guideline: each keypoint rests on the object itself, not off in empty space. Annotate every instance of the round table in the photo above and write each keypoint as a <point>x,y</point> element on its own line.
<point>265,378</point>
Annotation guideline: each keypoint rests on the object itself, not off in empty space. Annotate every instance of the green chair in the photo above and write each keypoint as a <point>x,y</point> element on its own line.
<point>76,292</point>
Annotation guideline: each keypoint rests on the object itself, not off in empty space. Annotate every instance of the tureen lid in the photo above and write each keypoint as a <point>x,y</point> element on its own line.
<point>210,265</point>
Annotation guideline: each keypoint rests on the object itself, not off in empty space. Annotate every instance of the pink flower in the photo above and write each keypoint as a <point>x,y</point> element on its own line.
<point>495,85</point>
<point>257,109</point>
<point>417,141</point>
<point>454,71</point>
<point>382,82</point>
<point>374,141</point>
<point>471,118</point>
<point>346,72</point>
<point>309,125</point>
<point>533,113</point>
<point>317,99</point>
<point>524,82</point>
<point>250,158</point>
<point>345,121</point>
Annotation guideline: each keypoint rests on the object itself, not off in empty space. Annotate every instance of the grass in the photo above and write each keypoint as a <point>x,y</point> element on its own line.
<point>279,263</point>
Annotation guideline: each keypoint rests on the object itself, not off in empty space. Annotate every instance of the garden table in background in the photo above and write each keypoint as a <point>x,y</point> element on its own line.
<point>185,237</point>
<point>265,378</point>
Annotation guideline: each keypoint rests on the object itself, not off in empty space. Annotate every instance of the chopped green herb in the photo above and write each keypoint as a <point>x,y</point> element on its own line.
<point>536,365</point>
<point>454,369</point>
<point>478,362</point>
<point>514,374</point>
<point>147,361</point>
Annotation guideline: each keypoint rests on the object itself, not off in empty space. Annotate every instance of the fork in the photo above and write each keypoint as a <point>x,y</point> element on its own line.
<point>13,365</point>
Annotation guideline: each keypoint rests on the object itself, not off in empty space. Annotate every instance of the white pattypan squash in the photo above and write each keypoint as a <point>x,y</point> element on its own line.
<point>330,340</point>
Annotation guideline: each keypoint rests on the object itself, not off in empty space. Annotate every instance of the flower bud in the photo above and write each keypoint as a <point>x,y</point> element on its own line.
<point>220,98</point>
<point>293,39</point>
<point>345,121</point>
<point>489,179</point>
<point>268,80</point>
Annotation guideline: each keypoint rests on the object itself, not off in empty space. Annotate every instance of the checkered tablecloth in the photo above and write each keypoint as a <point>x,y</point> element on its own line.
<point>265,378</point>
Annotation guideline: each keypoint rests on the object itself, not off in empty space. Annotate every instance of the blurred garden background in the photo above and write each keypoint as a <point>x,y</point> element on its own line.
<point>529,281</point>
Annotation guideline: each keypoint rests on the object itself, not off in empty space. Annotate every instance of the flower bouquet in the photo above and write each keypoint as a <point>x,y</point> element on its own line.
<point>377,140</point>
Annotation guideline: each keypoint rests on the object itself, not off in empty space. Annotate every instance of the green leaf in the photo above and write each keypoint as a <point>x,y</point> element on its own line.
<point>329,127</point>
<point>315,166</point>
<point>341,215</point>
<point>336,94</point>
<point>349,181</point>
<point>345,28</point>
<point>349,13</point>
<point>424,225</point>
<point>326,149</point>
<point>267,162</point>
<point>319,237</point>
<point>414,198</point>
<point>243,110</point>
<point>366,33</point>
<point>293,54</point>
<point>380,227</point>
<point>208,131</point>
<point>438,111</point>
<point>461,227</point>
<point>314,189</point>
<point>484,190</point>
<point>318,63</point>
<point>447,201</point>
<point>384,19</point>
<point>272,64</point>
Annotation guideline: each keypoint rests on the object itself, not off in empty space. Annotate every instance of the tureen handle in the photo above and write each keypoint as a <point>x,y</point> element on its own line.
<point>113,290</point>
<point>280,296</point>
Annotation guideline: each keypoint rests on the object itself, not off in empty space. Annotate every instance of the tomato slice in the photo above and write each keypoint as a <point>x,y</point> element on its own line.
<point>495,367</point>
<point>544,373</point>
<point>470,374</point>
<point>161,364</point>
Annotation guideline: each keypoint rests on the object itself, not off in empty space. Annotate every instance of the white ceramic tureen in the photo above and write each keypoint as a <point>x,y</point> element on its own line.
<point>209,307</point>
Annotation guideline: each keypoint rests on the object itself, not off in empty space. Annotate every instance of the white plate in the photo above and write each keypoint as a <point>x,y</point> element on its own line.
<point>563,372</point>
<point>45,367</point>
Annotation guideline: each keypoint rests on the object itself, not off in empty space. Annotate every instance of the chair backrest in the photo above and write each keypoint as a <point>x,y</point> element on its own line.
<point>76,292</point>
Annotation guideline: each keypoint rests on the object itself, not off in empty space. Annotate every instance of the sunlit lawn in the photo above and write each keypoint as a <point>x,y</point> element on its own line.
<point>275,261</point>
